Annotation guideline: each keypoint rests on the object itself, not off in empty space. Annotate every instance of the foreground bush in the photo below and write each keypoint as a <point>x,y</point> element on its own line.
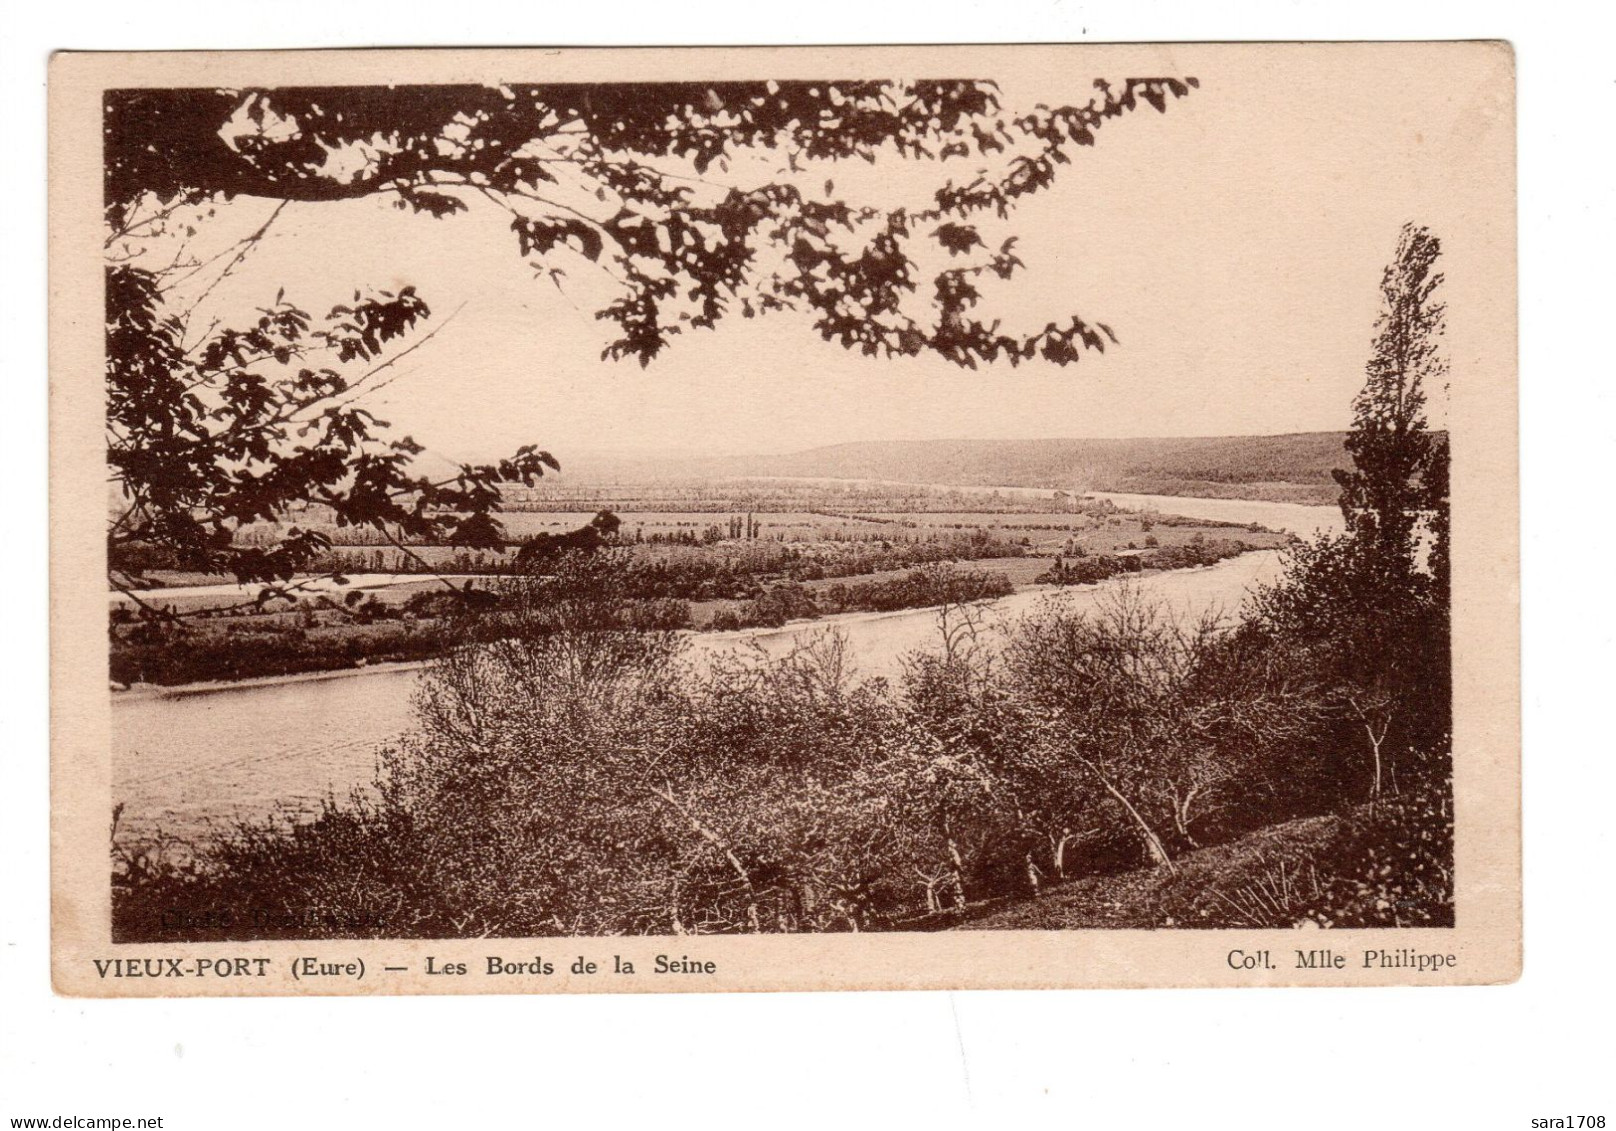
<point>1383,865</point>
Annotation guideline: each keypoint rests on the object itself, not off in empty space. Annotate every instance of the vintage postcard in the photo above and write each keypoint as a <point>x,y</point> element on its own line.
<point>778,519</point>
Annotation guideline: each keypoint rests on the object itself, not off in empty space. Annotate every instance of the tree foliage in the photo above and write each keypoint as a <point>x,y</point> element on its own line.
<point>651,184</point>
<point>253,420</point>
<point>1367,613</point>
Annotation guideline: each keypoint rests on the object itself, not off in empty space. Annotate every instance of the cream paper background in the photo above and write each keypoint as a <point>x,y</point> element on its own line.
<point>1481,419</point>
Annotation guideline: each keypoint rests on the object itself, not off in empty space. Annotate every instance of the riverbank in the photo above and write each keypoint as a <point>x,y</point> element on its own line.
<point>351,649</point>
<point>184,759</point>
<point>717,638</point>
<point>727,584</point>
<point>135,693</point>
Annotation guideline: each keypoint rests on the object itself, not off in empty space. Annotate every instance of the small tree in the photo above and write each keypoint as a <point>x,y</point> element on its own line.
<point>1365,616</point>
<point>1105,689</point>
<point>1393,449</point>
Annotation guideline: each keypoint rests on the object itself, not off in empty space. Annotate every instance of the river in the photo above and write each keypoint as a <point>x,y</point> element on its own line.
<point>876,643</point>
<point>1297,518</point>
<point>183,758</point>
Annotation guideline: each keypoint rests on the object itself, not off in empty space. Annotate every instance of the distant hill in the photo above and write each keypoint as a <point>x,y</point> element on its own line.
<point>1287,468</point>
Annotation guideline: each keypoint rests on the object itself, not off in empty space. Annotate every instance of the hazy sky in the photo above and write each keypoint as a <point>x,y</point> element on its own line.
<point>1234,244</point>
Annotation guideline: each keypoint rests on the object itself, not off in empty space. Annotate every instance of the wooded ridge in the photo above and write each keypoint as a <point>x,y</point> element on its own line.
<point>1295,467</point>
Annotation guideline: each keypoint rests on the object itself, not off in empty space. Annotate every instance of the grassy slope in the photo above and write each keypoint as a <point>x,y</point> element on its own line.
<point>1153,897</point>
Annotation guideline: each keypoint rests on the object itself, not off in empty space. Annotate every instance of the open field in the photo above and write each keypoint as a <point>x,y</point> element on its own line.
<point>705,569</point>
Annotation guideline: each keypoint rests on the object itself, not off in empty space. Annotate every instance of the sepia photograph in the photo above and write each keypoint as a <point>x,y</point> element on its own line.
<point>1059,504</point>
